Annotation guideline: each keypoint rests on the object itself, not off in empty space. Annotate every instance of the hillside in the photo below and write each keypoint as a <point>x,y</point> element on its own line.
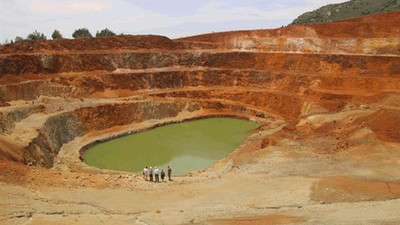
<point>346,10</point>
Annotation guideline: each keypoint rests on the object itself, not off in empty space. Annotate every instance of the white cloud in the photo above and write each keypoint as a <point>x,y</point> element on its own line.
<point>68,7</point>
<point>93,6</point>
<point>209,7</point>
<point>278,5</point>
<point>129,19</point>
<point>218,14</point>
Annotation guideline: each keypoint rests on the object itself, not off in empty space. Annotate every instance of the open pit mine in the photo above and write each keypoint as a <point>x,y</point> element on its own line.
<point>326,98</point>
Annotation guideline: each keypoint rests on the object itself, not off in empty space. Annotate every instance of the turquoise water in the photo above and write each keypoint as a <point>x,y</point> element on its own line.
<point>186,146</point>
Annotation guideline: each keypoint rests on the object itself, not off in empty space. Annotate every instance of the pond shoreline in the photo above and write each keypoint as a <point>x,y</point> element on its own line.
<point>86,147</point>
<point>189,147</point>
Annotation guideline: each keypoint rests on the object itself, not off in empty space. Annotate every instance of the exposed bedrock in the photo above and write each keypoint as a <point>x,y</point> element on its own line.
<point>284,94</point>
<point>380,46</point>
<point>9,116</point>
<point>374,34</point>
<point>282,62</point>
<point>313,44</point>
<point>225,82</point>
<point>308,84</point>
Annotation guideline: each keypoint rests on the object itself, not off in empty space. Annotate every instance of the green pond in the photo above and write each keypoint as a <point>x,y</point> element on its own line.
<point>186,146</point>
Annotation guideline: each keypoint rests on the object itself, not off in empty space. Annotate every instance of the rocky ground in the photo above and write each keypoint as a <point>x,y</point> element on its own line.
<point>328,104</point>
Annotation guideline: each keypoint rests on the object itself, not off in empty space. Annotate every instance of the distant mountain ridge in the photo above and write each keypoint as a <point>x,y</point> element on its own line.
<point>346,10</point>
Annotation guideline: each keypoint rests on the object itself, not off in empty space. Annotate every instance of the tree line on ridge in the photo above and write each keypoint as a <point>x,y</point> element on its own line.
<point>78,33</point>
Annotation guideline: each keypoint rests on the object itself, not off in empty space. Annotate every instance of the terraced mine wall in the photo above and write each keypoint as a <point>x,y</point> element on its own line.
<point>285,62</point>
<point>75,87</point>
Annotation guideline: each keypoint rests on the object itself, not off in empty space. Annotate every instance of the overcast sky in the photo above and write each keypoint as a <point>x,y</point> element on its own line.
<point>172,18</point>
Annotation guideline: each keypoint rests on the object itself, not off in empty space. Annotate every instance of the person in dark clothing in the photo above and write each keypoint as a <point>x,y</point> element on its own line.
<point>169,173</point>
<point>162,175</point>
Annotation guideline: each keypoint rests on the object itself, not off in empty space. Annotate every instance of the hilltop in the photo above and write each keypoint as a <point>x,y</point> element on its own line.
<point>346,10</point>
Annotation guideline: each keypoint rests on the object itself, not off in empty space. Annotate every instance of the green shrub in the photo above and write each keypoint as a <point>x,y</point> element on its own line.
<point>18,39</point>
<point>56,35</point>
<point>105,33</point>
<point>82,33</point>
<point>36,36</point>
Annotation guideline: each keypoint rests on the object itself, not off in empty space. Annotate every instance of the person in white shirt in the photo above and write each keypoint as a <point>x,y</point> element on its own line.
<point>145,173</point>
<point>151,173</point>
<point>156,174</point>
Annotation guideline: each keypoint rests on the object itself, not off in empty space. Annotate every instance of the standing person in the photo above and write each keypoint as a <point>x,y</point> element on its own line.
<point>145,173</point>
<point>151,173</point>
<point>169,173</point>
<point>156,173</point>
<point>162,175</point>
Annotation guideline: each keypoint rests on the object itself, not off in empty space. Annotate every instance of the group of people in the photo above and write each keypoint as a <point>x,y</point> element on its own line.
<point>149,172</point>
